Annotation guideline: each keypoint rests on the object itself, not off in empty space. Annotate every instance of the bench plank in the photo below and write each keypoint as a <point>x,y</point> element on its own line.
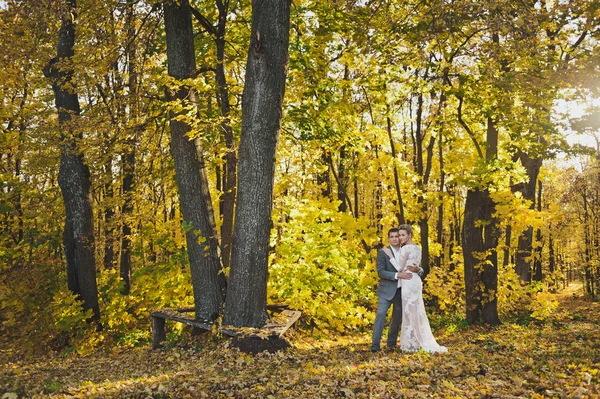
<point>175,315</point>
<point>280,326</point>
<point>274,328</point>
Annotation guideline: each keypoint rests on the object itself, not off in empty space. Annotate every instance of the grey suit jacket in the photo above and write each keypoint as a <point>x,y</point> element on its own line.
<point>387,276</point>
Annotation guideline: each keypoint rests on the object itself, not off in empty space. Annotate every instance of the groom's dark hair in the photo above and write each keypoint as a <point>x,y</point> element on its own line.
<point>393,230</point>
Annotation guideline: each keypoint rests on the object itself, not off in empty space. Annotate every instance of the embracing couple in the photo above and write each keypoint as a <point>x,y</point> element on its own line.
<point>400,285</point>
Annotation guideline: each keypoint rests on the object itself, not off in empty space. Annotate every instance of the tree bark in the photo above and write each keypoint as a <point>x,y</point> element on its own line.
<point>524,258</point>
<point>74,176</point>
<point>480,257</point>
<point>110,256</point>
<point>537,262</point>
<point>227,200</point>
<point>400,214</point>
<point>378,197</point>
<point>324,178</point>
<point>342,182</point>
<point>208,281</point>
<point>551,259</point>
<point>480,242</point>
<point>440,220</point>
<point>262,102</point>
<point>423,171</point>
<point>587,255</point>
<point>507,239</point>
<point>128,162</point>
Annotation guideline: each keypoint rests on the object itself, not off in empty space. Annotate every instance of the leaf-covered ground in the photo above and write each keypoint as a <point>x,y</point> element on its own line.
<point>560,359</point>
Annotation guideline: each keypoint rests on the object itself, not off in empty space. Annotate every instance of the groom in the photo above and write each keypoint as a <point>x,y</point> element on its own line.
<point>388,292</point>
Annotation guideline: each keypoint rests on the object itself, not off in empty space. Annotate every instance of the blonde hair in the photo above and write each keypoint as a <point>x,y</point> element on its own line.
<point>407,228</point>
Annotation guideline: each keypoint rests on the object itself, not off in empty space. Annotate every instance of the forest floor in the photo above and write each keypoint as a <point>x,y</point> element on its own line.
<point>559,359</point>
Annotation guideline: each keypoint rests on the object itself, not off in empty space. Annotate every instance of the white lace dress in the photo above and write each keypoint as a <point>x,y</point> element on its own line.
<point>416,332</point>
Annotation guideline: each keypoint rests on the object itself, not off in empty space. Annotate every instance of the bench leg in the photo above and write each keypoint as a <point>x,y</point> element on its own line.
<point>158,331</point>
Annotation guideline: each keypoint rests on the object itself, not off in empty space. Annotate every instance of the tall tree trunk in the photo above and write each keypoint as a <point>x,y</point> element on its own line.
<point>455,226</point>
<point>109,211</point>
<point>262,102</point>
<point>128,162</point>
<point>507,240</point>
<point>17,203</point>
<point>227,204</point>
<point>551,259</point>
<point>524,256</point>
<point>324,178</point>
<point>355,184</point>
<point>208,280</point>
<point>378,197</point>
<point>587,241</point>
<point>400,214</point>
<point>128,165</point>
<point>440,221</point>
<point>17,195</point>
<point>537,262</point>
<point>596,226</point>
<point>423,171</point>
<point>342,182</point>
<point>479,250</point>
<point>480,243</point>
<point>74,176</point>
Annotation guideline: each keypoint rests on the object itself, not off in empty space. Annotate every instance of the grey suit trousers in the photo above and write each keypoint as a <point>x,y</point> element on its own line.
<point>388,294</point>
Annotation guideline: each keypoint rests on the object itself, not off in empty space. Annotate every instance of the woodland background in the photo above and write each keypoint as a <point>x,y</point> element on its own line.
<point>449,115</point>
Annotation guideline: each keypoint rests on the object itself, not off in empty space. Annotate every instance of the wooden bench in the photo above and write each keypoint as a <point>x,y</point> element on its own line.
<point>273,330</point>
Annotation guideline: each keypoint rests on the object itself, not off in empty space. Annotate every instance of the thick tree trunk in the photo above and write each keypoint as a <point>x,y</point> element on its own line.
<point>480,257</point>
<point>194,196</point>
<point>480,242</point>
<point>74,176</point>
<point>261,121</point>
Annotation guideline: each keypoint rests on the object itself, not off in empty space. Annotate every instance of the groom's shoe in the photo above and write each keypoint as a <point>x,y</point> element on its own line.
<point>375,350</point>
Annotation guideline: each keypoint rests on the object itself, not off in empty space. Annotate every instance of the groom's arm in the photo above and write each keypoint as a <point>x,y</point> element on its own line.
<point>416,269</point>
<point>381,270</point>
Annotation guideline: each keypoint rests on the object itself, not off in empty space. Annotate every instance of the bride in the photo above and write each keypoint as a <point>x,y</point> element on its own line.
<point>416,332</point>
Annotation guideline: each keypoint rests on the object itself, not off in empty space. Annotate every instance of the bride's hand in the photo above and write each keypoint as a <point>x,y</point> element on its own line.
<point>404,276</point>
